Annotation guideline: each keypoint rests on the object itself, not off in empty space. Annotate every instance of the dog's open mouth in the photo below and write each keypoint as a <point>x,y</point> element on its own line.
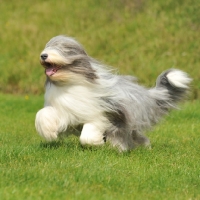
<point>50,69</point>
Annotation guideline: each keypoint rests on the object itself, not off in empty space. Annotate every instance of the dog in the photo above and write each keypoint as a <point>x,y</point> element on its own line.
<point>82,92</point>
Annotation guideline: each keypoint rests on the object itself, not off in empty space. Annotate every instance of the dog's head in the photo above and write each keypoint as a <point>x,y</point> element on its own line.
<point>65,61</point>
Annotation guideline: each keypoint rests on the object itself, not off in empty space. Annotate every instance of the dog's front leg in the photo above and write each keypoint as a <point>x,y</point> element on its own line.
<point>92,135</point>
<point>47,123</point>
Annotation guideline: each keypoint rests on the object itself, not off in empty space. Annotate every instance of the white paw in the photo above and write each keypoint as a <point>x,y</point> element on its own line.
<point>91,135</point>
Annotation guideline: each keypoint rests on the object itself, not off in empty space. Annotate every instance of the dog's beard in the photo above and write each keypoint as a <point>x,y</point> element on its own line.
<point>62,76</point>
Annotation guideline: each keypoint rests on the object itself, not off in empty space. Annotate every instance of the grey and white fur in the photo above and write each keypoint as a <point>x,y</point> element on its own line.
<point>81,91</point>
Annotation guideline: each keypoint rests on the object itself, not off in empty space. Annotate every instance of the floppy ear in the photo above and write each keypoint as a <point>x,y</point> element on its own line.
<point>83,66</point>
<point>72,58</point>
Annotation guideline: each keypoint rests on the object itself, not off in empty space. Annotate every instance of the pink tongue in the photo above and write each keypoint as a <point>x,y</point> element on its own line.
<point>50,71</point>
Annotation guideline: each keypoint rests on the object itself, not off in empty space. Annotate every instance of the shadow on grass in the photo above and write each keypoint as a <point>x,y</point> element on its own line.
<point>72,144</point>
<point>53,144</point>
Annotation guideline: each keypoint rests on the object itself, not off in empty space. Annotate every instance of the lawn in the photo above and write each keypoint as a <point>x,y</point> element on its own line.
<point>140,38</point>
<point>34,169</point>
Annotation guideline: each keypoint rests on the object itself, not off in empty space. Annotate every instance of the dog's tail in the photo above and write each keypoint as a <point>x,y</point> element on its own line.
<point>171,87</point>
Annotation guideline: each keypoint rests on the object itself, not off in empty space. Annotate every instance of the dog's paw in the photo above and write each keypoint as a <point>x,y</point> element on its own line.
<point>91,135</point>
<point>46,123</point>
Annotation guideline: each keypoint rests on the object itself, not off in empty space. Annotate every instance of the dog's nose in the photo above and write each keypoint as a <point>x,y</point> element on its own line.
<point>44,56</point>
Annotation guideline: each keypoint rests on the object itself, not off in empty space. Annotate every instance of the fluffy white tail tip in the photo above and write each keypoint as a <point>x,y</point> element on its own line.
<point>178,79</point>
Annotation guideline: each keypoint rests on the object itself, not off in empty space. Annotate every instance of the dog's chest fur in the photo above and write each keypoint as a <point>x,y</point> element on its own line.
<point>78,104</point>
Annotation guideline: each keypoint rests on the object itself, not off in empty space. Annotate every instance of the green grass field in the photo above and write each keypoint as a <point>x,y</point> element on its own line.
<point>140,38</point>
<point>34,169</point>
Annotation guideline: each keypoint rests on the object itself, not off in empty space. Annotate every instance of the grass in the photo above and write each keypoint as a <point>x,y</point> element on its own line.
<point>34,169</point>
<point>135,36</point>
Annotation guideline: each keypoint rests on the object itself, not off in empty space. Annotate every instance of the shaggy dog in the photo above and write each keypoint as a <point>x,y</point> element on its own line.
<point>80,91</point>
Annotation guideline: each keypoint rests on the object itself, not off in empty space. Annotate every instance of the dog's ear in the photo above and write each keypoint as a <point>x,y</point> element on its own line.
<point>73,58</point>
<point>82,65</point>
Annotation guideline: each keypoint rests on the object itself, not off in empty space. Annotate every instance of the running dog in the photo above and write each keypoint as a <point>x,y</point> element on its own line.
<point>80,91</point>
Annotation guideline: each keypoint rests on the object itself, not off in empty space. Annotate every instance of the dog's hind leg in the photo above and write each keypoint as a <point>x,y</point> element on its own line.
<point>120,138</point>
<point>92,135</point>
<point>140,139</point>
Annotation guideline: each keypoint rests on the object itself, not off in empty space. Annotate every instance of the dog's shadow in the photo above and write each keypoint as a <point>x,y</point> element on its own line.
<point>52,145</point>
<point>76,145</point>
<point>73,144</point>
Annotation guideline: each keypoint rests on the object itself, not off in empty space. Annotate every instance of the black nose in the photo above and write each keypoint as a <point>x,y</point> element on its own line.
<point>44,56</point>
